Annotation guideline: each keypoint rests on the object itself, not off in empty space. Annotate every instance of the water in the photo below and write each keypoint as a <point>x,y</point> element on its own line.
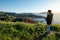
<point>56,18</point>
<point>40,20</point>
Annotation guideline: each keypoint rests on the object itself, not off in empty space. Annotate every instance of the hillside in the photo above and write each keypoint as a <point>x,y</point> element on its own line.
<point>30,15</point>
<point>27,31</point>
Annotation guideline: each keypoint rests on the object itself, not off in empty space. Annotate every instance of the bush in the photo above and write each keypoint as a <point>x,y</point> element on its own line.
<point>26,31</point>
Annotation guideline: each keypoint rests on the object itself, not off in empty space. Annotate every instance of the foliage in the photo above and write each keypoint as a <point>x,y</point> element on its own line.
<point>27,31</point>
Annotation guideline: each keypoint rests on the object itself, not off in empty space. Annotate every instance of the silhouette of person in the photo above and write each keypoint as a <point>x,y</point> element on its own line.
<point>49,20</point>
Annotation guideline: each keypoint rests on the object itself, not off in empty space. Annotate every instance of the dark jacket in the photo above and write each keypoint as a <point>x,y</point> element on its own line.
<point>49,18</point>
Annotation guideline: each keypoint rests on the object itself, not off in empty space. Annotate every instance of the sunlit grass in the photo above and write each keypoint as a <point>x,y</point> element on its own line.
<point>27,31</point>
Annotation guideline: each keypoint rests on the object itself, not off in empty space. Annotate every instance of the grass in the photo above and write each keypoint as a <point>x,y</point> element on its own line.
<point>27,31</point>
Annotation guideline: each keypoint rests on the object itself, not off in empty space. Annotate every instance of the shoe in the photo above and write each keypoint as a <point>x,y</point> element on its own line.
<point>47,33</point>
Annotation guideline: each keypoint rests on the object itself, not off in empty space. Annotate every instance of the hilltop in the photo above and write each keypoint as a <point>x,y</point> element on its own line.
<point>27,31</point>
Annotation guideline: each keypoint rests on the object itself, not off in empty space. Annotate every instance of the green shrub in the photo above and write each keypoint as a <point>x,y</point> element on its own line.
<point>27,31</point>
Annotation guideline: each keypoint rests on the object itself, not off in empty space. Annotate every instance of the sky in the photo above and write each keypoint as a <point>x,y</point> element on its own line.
<point>32,6</point>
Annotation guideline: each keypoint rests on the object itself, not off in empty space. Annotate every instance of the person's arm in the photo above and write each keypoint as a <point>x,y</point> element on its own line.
<point>47,17</point>
<point>52,16</point>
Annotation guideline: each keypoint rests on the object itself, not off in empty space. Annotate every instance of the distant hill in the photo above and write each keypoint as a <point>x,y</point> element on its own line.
<point>30,15</point>
<point>43,14</point>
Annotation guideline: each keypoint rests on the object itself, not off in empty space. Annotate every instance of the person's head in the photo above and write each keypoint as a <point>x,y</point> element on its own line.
<point>49,11</point>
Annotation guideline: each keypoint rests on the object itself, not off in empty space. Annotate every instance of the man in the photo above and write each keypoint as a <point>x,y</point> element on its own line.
<point>49,20</point>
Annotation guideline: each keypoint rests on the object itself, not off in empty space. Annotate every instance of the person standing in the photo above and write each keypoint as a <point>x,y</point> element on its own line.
<point>49,20</point>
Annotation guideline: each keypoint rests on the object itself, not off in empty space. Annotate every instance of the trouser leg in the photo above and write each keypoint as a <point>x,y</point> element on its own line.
<point>48,28</point>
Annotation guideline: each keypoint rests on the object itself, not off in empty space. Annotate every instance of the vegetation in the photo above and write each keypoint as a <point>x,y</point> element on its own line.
<point>27,31</point>
<point>12,15</point>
